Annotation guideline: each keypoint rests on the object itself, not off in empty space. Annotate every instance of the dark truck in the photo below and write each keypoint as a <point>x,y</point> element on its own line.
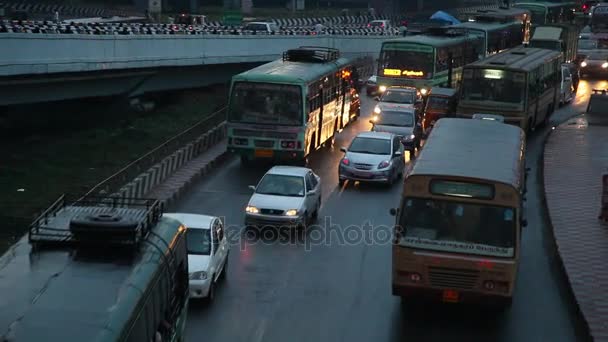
<point>557,37</point>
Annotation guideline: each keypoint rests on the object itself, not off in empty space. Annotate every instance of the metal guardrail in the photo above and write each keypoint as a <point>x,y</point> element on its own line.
<point>126,174</point>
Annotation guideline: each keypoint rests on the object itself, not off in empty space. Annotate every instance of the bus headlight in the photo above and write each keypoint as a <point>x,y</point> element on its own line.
<point>583,64</point>
<point>382,89</point>
<point>605,65</point>
<point>423,91</point>
<point>377,110</point>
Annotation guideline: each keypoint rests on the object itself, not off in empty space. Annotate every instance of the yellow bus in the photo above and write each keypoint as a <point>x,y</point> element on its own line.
<point>522,84</point>
<point>458,226</point>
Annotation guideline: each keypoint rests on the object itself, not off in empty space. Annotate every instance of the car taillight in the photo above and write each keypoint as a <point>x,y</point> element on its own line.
<point>384,164</point>
<point>345,161</point>
<point>489,285</point>
<point>415,277</point>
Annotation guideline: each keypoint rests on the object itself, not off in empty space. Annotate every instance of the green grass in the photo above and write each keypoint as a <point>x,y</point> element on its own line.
<point>72,147</point>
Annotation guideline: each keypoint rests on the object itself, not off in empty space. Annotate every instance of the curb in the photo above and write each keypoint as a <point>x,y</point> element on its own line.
<point>553,241</point>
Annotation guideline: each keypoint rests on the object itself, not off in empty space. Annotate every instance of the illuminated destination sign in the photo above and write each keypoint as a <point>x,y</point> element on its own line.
<point>397,72</point>
<point>462,189</point>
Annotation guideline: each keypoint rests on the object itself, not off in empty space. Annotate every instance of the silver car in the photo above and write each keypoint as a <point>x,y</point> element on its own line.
<point>401,122</point>
<point>287,196</point>
<point>372,157</point>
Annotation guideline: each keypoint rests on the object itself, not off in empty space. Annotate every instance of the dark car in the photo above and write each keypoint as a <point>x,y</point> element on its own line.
<point>441,103</point>
<point>595,64</point>
<point>371,86</point>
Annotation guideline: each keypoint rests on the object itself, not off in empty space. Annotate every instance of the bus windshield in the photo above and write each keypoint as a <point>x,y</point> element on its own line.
<point>493,85</point>
<point>416,62</point>
<point>266,103</point>
<point>458,227</point>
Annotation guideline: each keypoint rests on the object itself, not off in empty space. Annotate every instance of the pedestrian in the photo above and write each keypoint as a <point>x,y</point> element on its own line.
<point>57,16</point>
<point>319,28</point>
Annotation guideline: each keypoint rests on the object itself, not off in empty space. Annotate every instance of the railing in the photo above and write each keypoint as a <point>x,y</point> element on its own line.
<point>113,183</point>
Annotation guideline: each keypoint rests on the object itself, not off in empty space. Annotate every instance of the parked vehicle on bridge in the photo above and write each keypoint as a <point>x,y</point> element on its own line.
<point>422,61</point>
<point>103,269</point>
<point>208,251</point>
<point>404,123</point>
<point>382,24</point>
<point>286,196</point>
<point>441,103</point>
<point>286,109</point>
<point>461,216</point>
<point>261,26</point>
<point>372,157</point>
<point>522,84</point>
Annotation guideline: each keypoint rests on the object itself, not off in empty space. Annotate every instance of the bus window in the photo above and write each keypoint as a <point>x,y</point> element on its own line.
<point>265,103</point>
<point>458,227</point>
<point>496,86</point>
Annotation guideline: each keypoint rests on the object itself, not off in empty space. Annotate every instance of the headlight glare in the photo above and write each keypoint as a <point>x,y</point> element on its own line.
<point>291,212</point>
<point>252,210</point>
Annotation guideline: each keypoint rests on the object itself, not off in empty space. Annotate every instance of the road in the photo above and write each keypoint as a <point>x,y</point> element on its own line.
<point>307,290</point>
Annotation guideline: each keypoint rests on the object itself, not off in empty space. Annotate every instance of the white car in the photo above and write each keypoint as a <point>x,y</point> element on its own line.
<point>397,98</point>
<point>287,196</point>
<point>207,252</point>
<point>263,26</point>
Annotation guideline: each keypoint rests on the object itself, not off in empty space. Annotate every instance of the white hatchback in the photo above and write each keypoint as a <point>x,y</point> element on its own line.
<point>285,196</point>
<point>207,252</point>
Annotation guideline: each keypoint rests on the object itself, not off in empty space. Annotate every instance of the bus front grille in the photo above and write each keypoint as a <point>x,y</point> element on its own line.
<point>265,134</point>
<point>263,143</point>
<point>453,278</point>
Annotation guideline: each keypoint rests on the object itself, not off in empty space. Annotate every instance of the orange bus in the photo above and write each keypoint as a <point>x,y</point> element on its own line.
<point>458,226</point>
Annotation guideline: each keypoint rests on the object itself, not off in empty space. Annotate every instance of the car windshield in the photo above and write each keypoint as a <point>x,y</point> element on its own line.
<point>598,56</point>
<point>398,96</point>
<point>391,118</point>
<point>266,103</point>
<point>281,185</point>
<point>437,103</point>
<point>198,241</point>
<point>458,227</point>
<point>370,146</point>
<point>587,44</point>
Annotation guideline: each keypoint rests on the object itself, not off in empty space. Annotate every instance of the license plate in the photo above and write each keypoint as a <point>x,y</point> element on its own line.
<point>362,175</point>
<point>264,153</point>
<point>451,296</point>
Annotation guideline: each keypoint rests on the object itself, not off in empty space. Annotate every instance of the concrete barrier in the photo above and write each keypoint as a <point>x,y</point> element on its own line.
<point>159,173</point>
<point>50,54</point>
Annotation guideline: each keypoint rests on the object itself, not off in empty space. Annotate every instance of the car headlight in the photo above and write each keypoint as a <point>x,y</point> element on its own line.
<point>382,88</point>
<point>377,110</point>
<point>409,137</point>
<point>605,65</point>
<point>252,210</point>
<point>584,64</point>
<point>423,91</point>
<point>202,275</point>
<point>291,212</point>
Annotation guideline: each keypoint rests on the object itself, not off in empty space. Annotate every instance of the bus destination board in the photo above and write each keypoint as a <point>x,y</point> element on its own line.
<point>462,189</point>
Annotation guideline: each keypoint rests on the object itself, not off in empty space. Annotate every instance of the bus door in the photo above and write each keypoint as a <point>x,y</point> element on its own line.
<point>343,109</point>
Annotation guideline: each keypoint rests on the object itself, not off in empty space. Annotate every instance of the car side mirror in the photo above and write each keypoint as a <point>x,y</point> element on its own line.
<point>343,149</point>
<point>393,212</point>
<point>377,98</point>
<point>311,192</point>
<point>398,153</point>
<point>252,187</point>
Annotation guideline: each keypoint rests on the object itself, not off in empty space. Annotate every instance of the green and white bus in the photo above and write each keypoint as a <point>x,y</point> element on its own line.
<point>521,84</point>
<point>422,61</point>
<point>496,36</point>
<point>545,12</point>
<point>286,109</point>
<point>104,270</point>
